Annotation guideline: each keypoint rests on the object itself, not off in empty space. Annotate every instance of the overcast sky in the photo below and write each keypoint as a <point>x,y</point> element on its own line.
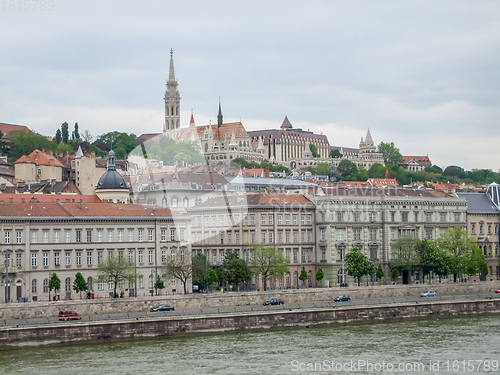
<point>422,74</point>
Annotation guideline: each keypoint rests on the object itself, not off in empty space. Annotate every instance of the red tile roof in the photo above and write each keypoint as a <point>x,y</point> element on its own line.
<point>39,158</point>
<point>47,198</point>
<point>422,160</point>
<point>10,128</point>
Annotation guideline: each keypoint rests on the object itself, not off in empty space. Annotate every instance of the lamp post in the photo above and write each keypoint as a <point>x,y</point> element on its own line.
<point>50,275</point>
<point>152,282</point>
<point>135,272</point>
<point>7,297</point>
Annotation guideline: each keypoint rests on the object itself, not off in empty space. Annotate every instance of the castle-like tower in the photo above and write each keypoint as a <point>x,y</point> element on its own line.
<point>172,101</point>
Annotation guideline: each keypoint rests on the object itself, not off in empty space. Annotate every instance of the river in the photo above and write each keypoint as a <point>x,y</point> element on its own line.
<point>462,345</point>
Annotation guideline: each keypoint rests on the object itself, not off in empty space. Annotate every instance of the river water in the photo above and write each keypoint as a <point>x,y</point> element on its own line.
<point>460,344</point>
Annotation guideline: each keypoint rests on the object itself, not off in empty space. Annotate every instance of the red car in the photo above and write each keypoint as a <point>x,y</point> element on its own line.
<point>497,291</point>
<point>69,315</point>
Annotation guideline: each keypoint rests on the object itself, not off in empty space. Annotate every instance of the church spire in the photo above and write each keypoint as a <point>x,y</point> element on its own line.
<point>219,116</point>
<point>172,100</point>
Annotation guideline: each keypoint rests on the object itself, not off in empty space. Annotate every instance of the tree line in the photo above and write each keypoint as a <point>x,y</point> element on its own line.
<point>453,253</point>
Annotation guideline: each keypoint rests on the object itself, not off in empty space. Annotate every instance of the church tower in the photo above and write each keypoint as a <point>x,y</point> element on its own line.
<point>172,101</point>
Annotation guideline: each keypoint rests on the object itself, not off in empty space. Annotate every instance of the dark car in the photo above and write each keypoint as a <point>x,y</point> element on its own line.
<point>69,315</point>
<point>428,293</point>
<point>342,298</point>
<point>273,301</point>
<point>162,308</point>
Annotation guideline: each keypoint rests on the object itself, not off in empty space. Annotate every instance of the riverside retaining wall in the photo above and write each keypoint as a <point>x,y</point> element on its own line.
<point>171,326</point>
<point>217,299</point>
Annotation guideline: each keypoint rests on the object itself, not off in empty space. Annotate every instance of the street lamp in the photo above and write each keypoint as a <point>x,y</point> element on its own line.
<point>7,297</point>
<point>152,282</point>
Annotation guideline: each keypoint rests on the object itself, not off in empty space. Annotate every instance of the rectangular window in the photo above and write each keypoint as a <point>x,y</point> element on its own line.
<point>67,234</point>
<point>139,233</point>
<point>442,217</point>
<point>428,217</point>
<point>56,236</point>
<point>78,258</point>
<point>279,219</point>
<point>393,233</point>
<point>150,234</point>
<point>181,234</point>
<point>295,222</point>
<point>373,253</point>
<point>295,236</point>
<point>130,235</point>
<point>270,219</point>
<point>131,255</point>
<point>303,219</point>
<point>221,239</point>
<point>57,261</point>
<point>100,285</point>
<point>221,220</point>
<point>416,217</point>
<point>163,256</point>
<point>7,237</point>
<point>34,237</point>
<point>263,237</point>
<point>393,216</point>
<point>323,253</point>
<point>33,260</point>
<point>151,256</point>
<point>89,236</point>
<point>18,259</point>
<point>172,254</point>
<point>99,235</point>
<point>357,217</point>
<point>309,219</point>
<point>214,221</point>
<point>295,256</point>
<point>271,237</point>
<point>404,217</point>
<point>373,234</point>
<point>457,217</point>
<point>45,236</point>
<point>78,235</point>
<point>172,234</point>
<point>428,233</point>
<point>45,259</point>
<point>340,234</point>
<point>263,220</point>
<point>309,236</point>
<point>120,235</point>
<point>340,216</point>
<point>303,236</point>
<point>99,257</point>
<point>68,258</point>
<point>163,234</point>
<point>229,239</point>
<point>280,236</point>
<point>141,256</point>
<point>309,256</point>
<point>110,235</point>
<point>252,237</point>
<point>323,234</point>
<point>357,234</point>
<point>287,219</point>
<point>237,238</point>
<point>89,258</point>
<point>287,236</point>
<point>303,256</point>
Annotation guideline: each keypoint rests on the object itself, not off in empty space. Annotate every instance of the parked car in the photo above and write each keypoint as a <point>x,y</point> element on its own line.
<point>497,291</point>
<point>162,308</point>
<point>273,301</point>
<point>69,315</point>
<point>342,298</point>
<point>428,293</point>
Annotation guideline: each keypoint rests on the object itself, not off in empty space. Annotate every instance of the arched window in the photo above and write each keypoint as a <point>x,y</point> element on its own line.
<point>45,285</point>
<point>309,277</point>
<point>186,202</point>
<point>67,286</point>
<point>90,285</point>
<point>296,279</point>
<point>33,286</point>
<point>175,202</point>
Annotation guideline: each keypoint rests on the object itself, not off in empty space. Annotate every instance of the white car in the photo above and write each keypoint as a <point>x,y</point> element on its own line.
<point>428,293</point>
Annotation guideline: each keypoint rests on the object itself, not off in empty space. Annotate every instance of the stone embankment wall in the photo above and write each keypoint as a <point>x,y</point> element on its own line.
<point>167,326</point>
<point>218,299</point>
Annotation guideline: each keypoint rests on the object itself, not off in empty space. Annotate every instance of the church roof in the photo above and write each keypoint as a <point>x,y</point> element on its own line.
<point>286,124</point>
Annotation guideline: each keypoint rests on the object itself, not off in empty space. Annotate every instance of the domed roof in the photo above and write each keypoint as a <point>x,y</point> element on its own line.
<point>111,179</point>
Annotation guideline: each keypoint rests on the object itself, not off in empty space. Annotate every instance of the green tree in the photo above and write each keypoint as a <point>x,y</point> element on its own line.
<point>335,154</point>
<point>323,169</point>
<point>211,276</point>
<point>54,283</point>
<point>394,273</point>
<point>380,272</point>
<point>347,169</point>
<point>116,269</point>
<point>235,269</point>
<point>357,263</point>
<point>390,153</point>
<point>454,171</point>
<point>320,275</point>
<point>404,255</point>
<point>377,170</point>
<point>79,284</point>
<point>268,261</point>
<point>362,174</point>
<point>303,275</point>
<point>180,267</point>
<point>65,132</point>
<point>465,255</point>
<point>159,285</point>
<point>314,150</point>
<point>76,133</point>
<point>58,137</point>
<point>199,264</point>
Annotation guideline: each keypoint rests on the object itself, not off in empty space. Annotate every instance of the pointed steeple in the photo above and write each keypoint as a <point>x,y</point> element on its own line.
<point>286,124</point>
<point>219,116</point>
<point>79,153</point>
<point>368,139</point>
<point>191,122</point>
<point>171,74</point>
